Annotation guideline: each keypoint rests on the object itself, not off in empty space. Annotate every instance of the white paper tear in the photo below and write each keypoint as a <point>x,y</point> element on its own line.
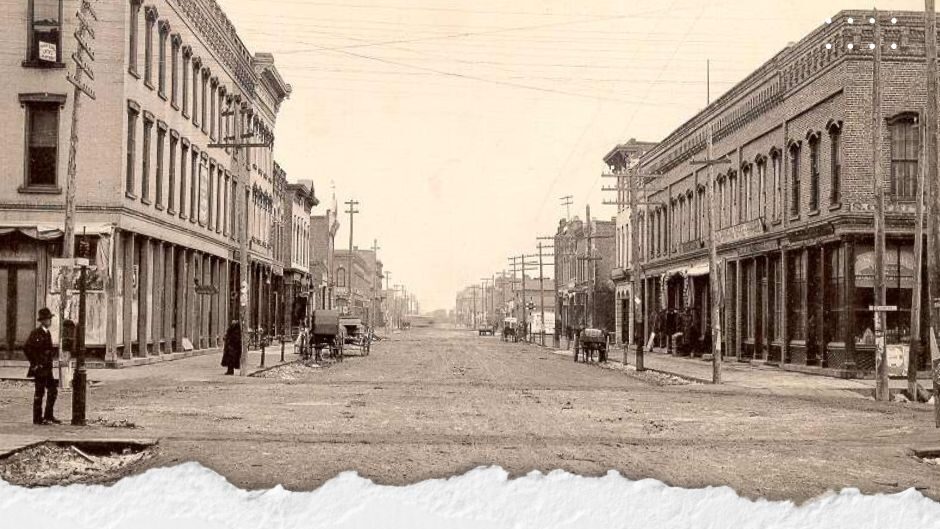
<point>192,496</point>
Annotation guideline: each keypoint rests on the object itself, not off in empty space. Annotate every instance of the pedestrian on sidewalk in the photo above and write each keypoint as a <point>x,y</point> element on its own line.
<point>232,350</point>
<point>41,355</point>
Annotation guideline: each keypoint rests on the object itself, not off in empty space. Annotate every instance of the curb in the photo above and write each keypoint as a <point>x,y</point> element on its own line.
<point>268,368</point>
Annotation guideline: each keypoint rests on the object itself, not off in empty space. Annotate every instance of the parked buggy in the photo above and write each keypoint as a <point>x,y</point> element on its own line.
<point>357,334</point>
<point>591,341</point>
<point>509,329</point>
<point>485,329</point>
<point>326,333</point>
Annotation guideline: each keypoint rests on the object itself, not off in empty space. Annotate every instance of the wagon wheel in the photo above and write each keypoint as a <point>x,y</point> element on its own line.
<point>339,349</point>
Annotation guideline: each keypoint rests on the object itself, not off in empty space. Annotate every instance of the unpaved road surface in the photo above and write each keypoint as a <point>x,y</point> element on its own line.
<point>432,402</point>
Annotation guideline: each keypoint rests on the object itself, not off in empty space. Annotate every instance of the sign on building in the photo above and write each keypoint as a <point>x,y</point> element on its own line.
<point>47,52</point>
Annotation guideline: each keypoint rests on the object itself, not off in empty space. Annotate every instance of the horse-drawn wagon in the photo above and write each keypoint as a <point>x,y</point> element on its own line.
<point>591,341</point>
<point>325,333</point>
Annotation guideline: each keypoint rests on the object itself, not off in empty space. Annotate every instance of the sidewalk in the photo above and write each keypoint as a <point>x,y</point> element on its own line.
<point>766,379</point>
<point>186,368</point>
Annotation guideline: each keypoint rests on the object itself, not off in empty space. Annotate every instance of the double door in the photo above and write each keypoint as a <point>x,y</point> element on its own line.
<point>17,306</point>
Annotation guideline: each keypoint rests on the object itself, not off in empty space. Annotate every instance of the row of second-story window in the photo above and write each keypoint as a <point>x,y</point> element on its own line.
<point>180,77</point>
<point>300,252</point>
<point>756,190</point>
<point>172,174</point>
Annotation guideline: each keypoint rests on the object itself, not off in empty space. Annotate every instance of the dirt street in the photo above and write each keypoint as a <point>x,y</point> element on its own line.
<point>434,402</point>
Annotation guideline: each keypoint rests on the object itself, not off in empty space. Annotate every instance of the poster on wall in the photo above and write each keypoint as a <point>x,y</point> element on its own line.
<point>96,300</point>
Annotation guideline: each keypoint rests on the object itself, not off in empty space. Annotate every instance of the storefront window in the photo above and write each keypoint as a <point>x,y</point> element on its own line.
<point>835,283</point>
<point>776,299</point>
<point>796,294</point>
<point>899,283</point>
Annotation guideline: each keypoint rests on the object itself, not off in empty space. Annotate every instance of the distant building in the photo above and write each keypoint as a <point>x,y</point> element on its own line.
<point>584,257</point>
<point>619,160</point>
<point>298,294</point>
<point>323,230</point>
<point>357,288</point>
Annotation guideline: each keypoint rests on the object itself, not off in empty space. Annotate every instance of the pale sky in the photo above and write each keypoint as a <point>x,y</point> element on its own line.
<point>458,125</point>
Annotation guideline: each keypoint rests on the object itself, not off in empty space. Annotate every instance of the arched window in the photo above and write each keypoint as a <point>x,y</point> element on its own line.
<point>835,162</point>
<point>341,277</point>
<point>794,151</point>
<point>905,145</point>
<point>813,139</point>
<point>777,185</point>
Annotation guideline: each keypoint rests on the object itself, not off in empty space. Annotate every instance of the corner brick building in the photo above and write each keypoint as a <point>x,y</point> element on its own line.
<point>795,206</point>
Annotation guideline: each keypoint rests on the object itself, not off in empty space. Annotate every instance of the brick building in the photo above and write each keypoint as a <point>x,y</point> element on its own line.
<point>584,258</point>
<point>154,200</point>
<point>298,294</point>
<point>323,230</point>
<point>795,206</point>
<point>356,291</point>
<point>621,157</point>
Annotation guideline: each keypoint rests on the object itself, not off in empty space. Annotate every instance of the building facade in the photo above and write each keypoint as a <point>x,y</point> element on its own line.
<point>299,296</point>
<point>584,257</point>
<point>323,230</point>
<point>619,160</point>
<point>155,200</point>
<point>795,207</point>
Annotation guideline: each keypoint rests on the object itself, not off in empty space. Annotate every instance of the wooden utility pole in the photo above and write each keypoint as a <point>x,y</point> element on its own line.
<point>541,296</point>
<point>83,57</point>
<point>375,267</point>
<point>349,258</point>
<point>933,206</point>
<point>913,354</point>
<point>882,392</point>
<point>238,146</point>
<point>716,293</point>
<point>567,201</point>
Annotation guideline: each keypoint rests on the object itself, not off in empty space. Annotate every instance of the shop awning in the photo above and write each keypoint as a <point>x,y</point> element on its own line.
<point>48,232</point>
<point>700,269</point>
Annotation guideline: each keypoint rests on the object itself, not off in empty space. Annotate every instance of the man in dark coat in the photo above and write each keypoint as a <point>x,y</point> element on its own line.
<point>232,351</point>
<point>41,355</point>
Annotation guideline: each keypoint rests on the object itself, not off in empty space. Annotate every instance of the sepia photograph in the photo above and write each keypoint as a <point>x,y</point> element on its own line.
<point>469,263</point>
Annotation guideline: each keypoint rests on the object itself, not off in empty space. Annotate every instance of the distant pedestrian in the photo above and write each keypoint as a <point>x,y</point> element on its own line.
<point>232,350</point>
<point>41,355</point>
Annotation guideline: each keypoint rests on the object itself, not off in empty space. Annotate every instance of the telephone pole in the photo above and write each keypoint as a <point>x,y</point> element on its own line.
<point>567,201</point>
<point>542,288</point>
<point>882,389</point>
<point>375,267</point>
<point>349,258</point>
<point>83,56</point>
<point>933,206</point>
<point>236,142</point>
<point>915,346</point>
<point>715,294</point>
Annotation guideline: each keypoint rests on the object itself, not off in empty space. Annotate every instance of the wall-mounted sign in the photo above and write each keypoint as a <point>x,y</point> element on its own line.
<point>47,52</point>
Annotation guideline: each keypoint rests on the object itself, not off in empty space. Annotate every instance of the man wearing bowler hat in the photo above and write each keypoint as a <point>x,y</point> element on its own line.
<point>41,355</point>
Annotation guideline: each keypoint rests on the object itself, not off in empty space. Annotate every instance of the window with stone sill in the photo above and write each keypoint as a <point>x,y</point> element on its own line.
<point>905,146</point>
<point>794,179</point>
<point>133,25</point>
<point>814,172</point>
<point>150,20</point>
<point>42,140</point>
<point>133,113</point>
<point>835,164</point>
<point>146,159</point>
<point>164,28</point>
<point>44,33</point>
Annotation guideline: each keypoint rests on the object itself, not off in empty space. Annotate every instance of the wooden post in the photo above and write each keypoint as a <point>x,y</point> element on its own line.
<point>913,354</point>
<point>933,260</point>
<point>882,391</point>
